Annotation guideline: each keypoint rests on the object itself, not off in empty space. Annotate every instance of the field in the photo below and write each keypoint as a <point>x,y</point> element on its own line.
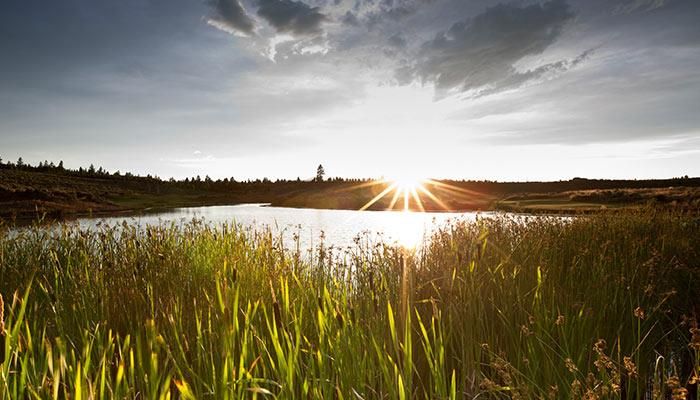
<point>597,307</point>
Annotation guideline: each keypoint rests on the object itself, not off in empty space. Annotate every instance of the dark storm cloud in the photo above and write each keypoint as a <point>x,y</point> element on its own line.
<point>232,15</point>
<point>517,79</point>
<point>349,18</point>
<point>45,42</point>
<point>481,52</point>
<point>291,16</point>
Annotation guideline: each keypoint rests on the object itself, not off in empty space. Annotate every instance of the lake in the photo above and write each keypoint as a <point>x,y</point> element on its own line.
<point>338,227</point>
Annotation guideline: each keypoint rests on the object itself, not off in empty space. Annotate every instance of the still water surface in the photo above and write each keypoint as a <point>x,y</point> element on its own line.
<point>338,227</point>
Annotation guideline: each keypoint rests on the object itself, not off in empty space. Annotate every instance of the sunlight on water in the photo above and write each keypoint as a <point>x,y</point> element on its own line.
<point>408,229</point>
<point>339,228</point>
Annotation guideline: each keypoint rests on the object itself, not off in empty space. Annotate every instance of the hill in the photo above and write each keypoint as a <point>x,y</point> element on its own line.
<point>30,192</point>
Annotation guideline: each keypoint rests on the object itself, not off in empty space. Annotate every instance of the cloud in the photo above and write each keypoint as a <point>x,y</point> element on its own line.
<point>517,79</point>
<point>480,53</point>
<point>378,12</point>
<point>639,5</point>
<point>231,17</point>
<point>291,16</point>
<point>397,41</point>
<point>349,18</point>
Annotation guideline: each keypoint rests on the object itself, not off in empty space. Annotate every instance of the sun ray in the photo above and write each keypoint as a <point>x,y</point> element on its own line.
<point>453,188</point>
<point>363,185</point>
<point>434,198</point>
<point>417,199</point>
<point>394,200</point>
<point>379,196</point>
<point>410,192</point>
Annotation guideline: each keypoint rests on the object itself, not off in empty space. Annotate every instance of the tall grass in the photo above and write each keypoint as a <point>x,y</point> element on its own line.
<point>595,307</point>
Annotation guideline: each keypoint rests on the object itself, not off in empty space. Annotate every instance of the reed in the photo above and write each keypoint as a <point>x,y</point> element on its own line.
<point>594,307</point>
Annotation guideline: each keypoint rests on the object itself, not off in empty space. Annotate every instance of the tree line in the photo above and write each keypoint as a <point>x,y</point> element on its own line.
<point>195,181</point>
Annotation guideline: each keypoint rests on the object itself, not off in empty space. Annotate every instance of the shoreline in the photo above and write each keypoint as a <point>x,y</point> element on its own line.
<point>28,195</point>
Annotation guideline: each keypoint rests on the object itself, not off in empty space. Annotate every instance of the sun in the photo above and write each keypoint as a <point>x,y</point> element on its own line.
<point>403,189</point>
<point>408,193</point>
<point>407,183</point>
<point>406,188</point>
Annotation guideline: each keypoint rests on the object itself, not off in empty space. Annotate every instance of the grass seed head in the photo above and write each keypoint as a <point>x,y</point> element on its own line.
<point>694,340</point>
<point>630,367</point>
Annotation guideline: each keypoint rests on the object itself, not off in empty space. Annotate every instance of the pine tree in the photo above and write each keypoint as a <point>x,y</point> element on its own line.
<point>320,173</point>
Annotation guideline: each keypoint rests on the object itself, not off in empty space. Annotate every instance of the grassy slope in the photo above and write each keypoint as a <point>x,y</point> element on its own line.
<point>29,194</point>
<point>587,200</point>
<point>58,194</point>
<point>596,307</point>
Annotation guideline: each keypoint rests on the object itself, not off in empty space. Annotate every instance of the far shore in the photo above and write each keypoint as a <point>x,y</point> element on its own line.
<point>28,195</point>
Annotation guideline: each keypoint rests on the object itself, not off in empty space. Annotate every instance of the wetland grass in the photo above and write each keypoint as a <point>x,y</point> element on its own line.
<point>596,307</point>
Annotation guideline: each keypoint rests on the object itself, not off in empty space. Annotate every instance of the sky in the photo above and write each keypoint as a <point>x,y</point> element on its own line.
<point>473,89</point>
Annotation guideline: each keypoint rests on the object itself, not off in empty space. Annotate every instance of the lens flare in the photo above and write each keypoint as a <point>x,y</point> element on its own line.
<point>408,194</point>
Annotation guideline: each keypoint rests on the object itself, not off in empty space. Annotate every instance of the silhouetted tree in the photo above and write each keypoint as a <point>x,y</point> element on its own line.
<point>20,163</point>
<point>320,173</point>
<point>60,165</point>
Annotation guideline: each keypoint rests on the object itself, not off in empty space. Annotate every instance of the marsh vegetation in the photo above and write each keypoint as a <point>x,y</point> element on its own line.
<point>602,306</point>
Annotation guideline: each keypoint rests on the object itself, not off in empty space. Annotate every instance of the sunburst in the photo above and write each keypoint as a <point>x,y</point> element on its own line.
<point>411,194</point>
<point>407,190</point>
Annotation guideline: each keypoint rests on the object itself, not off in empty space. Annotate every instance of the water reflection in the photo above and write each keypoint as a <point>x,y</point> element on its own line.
<point>338,227</point>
